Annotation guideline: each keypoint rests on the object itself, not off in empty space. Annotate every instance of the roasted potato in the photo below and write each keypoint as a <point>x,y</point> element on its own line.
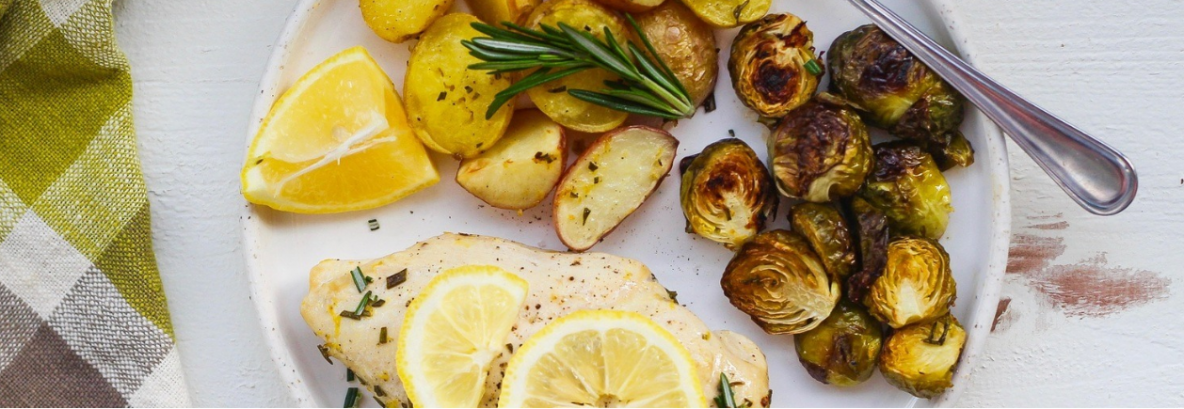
<point>728,13</point>
<point>552,97</point>
<point>521,168</point>
<point>398,20</point>
<point>632,6</point>
<point>686,44</point>
<point>498,11</point>
<point>609,181</point>
<point>446,101</point>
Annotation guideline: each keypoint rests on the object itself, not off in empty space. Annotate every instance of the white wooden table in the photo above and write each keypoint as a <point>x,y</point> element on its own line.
<point>1090,314</point>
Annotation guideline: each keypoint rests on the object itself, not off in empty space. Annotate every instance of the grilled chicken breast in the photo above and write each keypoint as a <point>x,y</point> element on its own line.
<point>560,283</point>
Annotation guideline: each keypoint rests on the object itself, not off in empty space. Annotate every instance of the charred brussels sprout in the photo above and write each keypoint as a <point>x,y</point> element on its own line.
<point>777,280</point>
<point>871,231</point>
<point>907,185</point>
<point>727,193</point>
<point>899,93</point>
<point>916,286</point>
<point>823,226</point>
<point>920,358</point>
<point>820,152</point>
<point>842,350</point>
<point>773,65</point>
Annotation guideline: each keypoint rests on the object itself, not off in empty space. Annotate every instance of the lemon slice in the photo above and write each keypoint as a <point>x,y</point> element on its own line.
<point>453,331</point>
<point>602,359</point>
<point>337,140</point>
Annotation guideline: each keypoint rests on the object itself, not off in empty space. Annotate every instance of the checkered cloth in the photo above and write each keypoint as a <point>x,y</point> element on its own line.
<point>83,318</point>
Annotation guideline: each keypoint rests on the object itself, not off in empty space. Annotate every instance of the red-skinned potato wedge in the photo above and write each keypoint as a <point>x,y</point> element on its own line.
<point>522,168</point>
<point>610,180</point>
<point>632,6</point>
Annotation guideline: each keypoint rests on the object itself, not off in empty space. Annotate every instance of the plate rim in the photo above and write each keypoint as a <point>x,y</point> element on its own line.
<point>987,295</point>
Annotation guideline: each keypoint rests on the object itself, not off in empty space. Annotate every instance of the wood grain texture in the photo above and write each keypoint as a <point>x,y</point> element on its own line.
<point>1084,321</point>
<point>1087,299</point>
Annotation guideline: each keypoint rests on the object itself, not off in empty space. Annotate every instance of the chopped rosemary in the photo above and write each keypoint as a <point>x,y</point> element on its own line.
<point>933,333</point>
<point>351,398</point>
<point>592,166</point>
<point>378,302</point>
<point>378,391</point>
<point>732,133</point>
<point>596,180</point>
<point>325,353</point>
<point>736,12</point>
<point>395,280</point>
<point>382,336</point>
<point>349,375</point>
<point>373,224</point>
<point>726,398</point>
<point>443,94</point>
<point>587,212</point>
<point>359,279</point>
<point>647,87</point>
<point>363,304</point>
<point>673,295</point>
<point>813,68</point>
<point>709,103</point>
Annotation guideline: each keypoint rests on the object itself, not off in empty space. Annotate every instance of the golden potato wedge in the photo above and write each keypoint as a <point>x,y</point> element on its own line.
<point>609,181</point>
<point>522,167</point>
<point>728,13</point>
<point>632,6</point>
<point>686,44</point>
<point>498,11</point>
<point>446,101</point>
<point>551,97</point>
<point>398,20</point>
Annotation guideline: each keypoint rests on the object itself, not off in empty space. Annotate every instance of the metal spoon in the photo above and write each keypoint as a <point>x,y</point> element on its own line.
<point>1096,176</point>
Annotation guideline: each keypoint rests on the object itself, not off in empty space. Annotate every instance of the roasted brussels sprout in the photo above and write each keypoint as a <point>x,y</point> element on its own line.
<point>907,185</point>
<point>727,194</point>
<point>842,350</point>
<point>870,227</point>
<point>820,152</point>
<point>916,285</point>
<point>773,65</point>
<point>823,226</point>
<point>899,93</point>
<point>777,280</point>
<point>686,44</point>
<point>920,358</point>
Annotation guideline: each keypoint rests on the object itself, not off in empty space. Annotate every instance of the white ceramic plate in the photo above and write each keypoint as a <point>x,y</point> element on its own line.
<point>282,247</point>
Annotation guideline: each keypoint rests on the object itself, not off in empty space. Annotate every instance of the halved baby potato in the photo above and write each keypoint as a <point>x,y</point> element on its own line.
<point>398,20</point>
<point>609,181</point>
<point>632,6</point>
<point>729,13</point>
<point>552,97</point>
<point>498,11</point>
<point>522,168</point>
<point>446,101</point>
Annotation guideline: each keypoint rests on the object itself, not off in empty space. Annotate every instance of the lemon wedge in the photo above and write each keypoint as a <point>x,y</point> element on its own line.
<point>452,333</point>
<point>602,359</point>
<point>337,140</point>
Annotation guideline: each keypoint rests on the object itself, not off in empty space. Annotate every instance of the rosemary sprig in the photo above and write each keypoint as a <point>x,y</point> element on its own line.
<point>726,398</point>
<point>647,85</point>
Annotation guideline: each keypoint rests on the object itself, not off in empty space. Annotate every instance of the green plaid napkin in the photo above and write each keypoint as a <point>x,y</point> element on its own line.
<point>83,318</point>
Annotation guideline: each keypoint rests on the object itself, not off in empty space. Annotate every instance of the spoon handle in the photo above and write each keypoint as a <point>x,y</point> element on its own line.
<point>1096,176</point>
